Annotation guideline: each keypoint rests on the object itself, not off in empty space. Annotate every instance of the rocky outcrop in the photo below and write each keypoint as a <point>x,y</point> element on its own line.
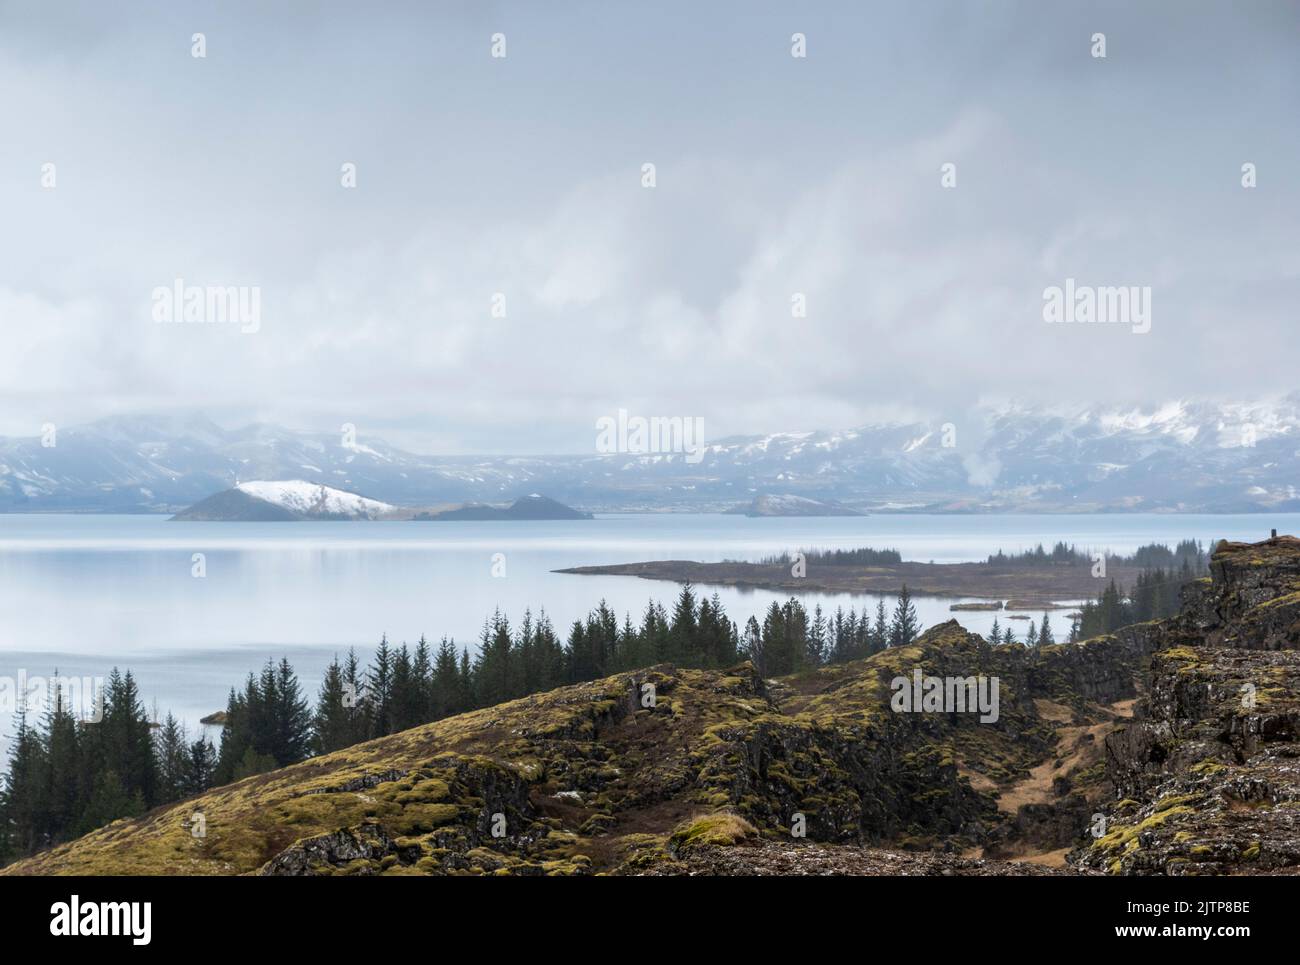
<point>364,847</point>
<point>596,776</point>
<point>1207,777</point>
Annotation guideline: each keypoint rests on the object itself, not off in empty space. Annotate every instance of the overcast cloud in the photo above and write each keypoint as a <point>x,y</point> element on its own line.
<point>522,175</point>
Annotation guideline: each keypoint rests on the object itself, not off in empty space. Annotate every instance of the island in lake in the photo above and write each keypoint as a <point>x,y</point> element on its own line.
<point>532,506</point>
<point>296,500</point>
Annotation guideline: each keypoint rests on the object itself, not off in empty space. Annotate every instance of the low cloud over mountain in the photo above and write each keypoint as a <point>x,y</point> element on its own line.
<point>1188,456</point>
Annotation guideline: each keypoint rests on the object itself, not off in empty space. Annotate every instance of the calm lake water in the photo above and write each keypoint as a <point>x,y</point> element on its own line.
<point>82,594</point>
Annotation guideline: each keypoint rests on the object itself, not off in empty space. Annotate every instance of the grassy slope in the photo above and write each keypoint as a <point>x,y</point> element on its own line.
<point>823,743</point>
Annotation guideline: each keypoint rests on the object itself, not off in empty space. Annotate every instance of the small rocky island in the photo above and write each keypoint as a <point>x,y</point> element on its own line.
<point>530,507</point>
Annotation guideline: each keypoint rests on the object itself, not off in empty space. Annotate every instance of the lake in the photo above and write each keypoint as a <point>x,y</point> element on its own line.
<point>82,594</point>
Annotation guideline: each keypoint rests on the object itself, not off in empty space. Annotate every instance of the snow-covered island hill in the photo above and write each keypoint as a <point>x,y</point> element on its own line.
<point>292,500</point>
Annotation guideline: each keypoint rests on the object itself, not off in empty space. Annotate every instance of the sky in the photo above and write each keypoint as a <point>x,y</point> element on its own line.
<point>775,177</point>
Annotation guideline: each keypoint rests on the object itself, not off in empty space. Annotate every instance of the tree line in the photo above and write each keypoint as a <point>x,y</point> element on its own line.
<point>66,777</point>
<point>1156,595</point>
<point>1043,636</point>
<point>864,556</point>
<point>1188,555</point>
<point>406,686</point>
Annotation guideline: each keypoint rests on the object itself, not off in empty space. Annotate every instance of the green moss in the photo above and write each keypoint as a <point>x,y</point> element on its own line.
<point>425,792</point>
<point>721,829</point>
<point>1174,800</point>
<point>1121,836</point>
<point>422,817</point>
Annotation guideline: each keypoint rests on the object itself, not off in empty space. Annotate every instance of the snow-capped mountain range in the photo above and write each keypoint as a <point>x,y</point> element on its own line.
<point>1186,456</point>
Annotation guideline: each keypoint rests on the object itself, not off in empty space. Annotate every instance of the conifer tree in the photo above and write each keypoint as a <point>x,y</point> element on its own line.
<point>752,647</point>
<point>405,692</point>
<point>905,626</point>
<point>880,632</point>
<point>201,767</point>
<point>446,682</point>
<point>292,718</point>
<point>173,761</point>
<point>64,765</point>
<point>817,638</point>
<point>681,635</point>
<point>332,728</point>
<point>466,681</point>
<point>379,690</point>
<point>422,676</point>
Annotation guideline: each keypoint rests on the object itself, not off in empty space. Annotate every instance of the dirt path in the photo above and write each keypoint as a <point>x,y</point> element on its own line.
<point>1048,859</point>
<point>1073,747</point>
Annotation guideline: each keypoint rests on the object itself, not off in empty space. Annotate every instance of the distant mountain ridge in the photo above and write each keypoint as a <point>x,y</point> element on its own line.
<point>1182,457</point>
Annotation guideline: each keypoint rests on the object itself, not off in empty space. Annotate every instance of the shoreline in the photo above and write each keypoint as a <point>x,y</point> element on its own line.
<point>1025,587</point>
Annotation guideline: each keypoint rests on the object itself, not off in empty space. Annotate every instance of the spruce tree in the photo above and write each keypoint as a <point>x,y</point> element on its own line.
<point>201,767</point>
<point>379,685</point>
<point>493,668</point>
<point>817,638</point>
<point>291,741</point>
<point>422,677</point>
<point>446,682</point>
<point>173,761</point>
<point>880,631</point>
<point>685,625</point>
<point>405,699</point>
<point>354,699</point>
<point>331,726</point>
<point>752,647</point>
<point>65,766</point>
<point>905,626</point>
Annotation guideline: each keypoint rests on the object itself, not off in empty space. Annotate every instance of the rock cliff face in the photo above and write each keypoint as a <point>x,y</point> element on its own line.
<point>1207,777</point>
